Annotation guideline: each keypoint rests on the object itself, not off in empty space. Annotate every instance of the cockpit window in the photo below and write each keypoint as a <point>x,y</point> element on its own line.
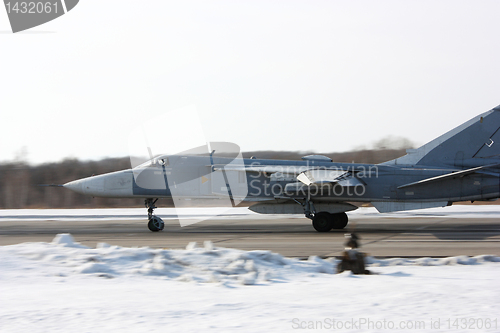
<point>157,161</point>
<point>163,161</point>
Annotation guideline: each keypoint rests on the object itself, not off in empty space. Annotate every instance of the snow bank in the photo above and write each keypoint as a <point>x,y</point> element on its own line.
<point>66,240</point>
<point>63,286</point>
<point>206,264</point>
<point>458,260</point>
<point>63,256</point>
<point>456,211</point>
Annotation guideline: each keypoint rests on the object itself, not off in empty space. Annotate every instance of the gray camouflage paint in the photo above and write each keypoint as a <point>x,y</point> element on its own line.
<point>388,186</point>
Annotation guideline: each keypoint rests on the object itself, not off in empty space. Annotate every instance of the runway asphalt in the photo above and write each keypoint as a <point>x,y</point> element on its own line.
<point>434,236</point>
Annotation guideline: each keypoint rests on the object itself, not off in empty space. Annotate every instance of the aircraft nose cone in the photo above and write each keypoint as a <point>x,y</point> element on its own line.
<point>75,185</point>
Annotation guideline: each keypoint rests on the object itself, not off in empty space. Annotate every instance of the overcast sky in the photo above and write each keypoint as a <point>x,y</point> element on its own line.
<point>267,75</point>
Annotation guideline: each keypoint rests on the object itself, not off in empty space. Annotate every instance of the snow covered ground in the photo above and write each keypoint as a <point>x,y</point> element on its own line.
<point>66,287</point>
<point>486,211</point>
<point>122,213</point>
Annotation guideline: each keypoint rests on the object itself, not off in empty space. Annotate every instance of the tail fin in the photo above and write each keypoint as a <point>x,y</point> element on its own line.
<point>474,143</point>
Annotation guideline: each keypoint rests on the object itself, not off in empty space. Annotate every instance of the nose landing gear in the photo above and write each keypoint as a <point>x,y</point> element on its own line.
<point>154,222</point>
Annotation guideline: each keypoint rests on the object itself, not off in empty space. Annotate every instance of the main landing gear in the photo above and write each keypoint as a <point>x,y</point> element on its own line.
<point>324,221</point>
<point>154,222</point>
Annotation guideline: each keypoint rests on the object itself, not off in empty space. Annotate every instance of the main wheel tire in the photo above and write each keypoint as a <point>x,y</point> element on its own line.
<point>322,222</point>
<point>340,220</point>
<point>156,224</point>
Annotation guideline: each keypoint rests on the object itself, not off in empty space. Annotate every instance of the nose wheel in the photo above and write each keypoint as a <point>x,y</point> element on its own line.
<point>154,222</point>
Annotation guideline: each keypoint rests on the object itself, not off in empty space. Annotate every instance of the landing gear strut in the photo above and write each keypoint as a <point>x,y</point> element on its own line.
<point>154,222</point>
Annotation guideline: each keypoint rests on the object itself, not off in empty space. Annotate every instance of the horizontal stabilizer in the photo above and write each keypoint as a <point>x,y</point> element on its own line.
<point>451,175</point>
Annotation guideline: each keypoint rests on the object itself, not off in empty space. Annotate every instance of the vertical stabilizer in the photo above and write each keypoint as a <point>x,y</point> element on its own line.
<point>474,143</point>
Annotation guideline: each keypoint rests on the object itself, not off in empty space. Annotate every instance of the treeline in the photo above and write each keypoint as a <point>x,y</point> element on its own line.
<point>19,182</point>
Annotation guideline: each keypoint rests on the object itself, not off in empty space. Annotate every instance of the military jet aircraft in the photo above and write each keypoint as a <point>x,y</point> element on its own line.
<point>460,165</point>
